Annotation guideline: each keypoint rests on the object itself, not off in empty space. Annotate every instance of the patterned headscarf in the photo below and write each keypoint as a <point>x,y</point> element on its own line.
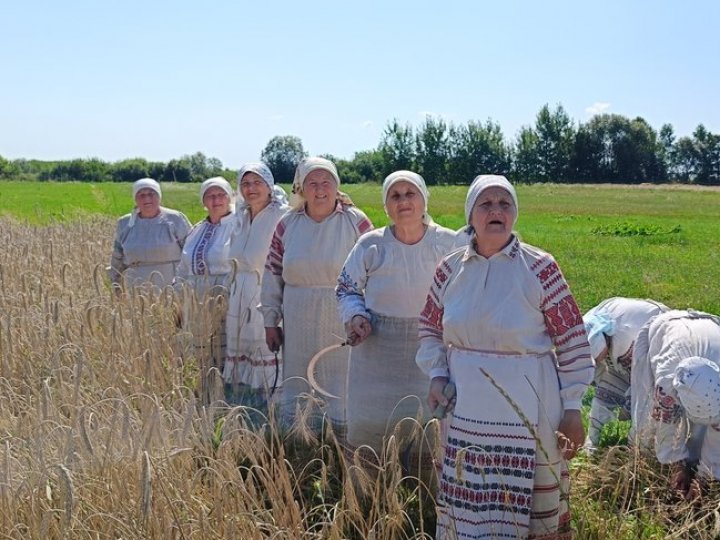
<point>483,182</point>
<point>598,324</point>
<point>407,176</point>
<point>307,165</point>
<point>216,181</point>
<point>697,383</point>
<point>146,183</point>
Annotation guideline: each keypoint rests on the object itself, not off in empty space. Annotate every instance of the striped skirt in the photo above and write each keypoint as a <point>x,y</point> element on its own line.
<point>502,472</point>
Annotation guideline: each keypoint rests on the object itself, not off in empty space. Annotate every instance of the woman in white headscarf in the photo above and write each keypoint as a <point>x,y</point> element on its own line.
<point>251,370</point>
<point>381,291</point>
<point>205,275</point>
<point>148,241</point>
<point>307,251</point>
<point>675,394</point>
<point>501,324</point>
<point>611,327</point>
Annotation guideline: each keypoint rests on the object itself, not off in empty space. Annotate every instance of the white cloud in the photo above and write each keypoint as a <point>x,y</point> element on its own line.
<point>597,108</point>
<point>277,117</point>
<point>367,123</point>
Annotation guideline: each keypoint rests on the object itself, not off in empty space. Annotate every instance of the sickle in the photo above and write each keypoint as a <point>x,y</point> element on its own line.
<point>311,369</point>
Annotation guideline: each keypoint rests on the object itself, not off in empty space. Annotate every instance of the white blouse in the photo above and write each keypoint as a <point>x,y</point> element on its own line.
<point>144,246</point>
<point>388,277</point>
<point>516,301</point>
<point>305,253</point>
<point>208,249</point>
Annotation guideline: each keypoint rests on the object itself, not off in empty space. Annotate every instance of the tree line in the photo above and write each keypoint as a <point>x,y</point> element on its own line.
<point>609,148</point>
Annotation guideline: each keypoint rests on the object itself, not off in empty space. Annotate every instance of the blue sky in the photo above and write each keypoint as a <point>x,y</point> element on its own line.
<point>117,79</point>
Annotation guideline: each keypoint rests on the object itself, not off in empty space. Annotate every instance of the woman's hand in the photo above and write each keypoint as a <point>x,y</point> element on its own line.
<point>570,433</point>
<point>358,329</point>
<point>436,397</point>
<point>273,338</point>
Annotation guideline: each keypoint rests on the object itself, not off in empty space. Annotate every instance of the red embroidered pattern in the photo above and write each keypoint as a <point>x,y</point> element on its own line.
<point>432,314</point>
<point>562,316</point>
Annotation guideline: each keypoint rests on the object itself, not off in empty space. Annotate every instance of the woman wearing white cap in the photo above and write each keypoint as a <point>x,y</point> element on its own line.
<point>675,393</point>
<point>251,369</point>
<point>501,324</point>
<point>381,291</point>
<point>148,241</point>
<point>307,251</point>
<point>206,272</point>
<point>611,327</point>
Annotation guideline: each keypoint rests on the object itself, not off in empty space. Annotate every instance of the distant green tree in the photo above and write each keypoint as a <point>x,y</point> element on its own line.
<point>707,147</point>
<point>432,150</point>
<point>8,169</point>
<point>612,148</point>
<point>555,144</point>
<point>178,170</point>
<point>365,166</point>
<point>78,170</point>
<point>129,170</point>
<point>476,148</point>
<point>667,150</point>
<point>687,162</point>
<point>526,163</point>
<point>282,154</point>
<point>397,148</point>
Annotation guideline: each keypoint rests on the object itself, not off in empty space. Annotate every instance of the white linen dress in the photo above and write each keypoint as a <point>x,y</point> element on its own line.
<point>386,281</point>
<point>147,250</point>
<point>298,289</point>
<point>508,332</point>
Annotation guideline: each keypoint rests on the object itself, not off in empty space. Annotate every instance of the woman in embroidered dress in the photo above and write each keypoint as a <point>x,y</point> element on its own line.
<point>498,313</point>
<point>205,275</point>
<point>611,327</point>
<point>148,241</point>
<point>251,369</point>
<point>381,291</point>
<point>675,394</point>
<point>306,254</point>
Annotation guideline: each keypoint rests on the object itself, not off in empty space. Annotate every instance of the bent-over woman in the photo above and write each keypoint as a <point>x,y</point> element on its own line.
<point>307,251</point>
<point>501,323</point>
<point>611,327</point>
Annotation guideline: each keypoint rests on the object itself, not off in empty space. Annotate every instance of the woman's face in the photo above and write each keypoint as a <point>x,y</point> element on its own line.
<point>493,216</point>
<point>320,191</point>
<point>405,203</point>
<point>254,189</point>
<point>148,202</point>
<point>217,202</point>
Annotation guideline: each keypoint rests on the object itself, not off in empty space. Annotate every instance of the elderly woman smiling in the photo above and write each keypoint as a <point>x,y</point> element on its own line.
<point>501,324</point>
<point>251,369</point>
<point>206,272</point>
<point>306,254</point>
<point>148,241</point>
<point>381,291</point>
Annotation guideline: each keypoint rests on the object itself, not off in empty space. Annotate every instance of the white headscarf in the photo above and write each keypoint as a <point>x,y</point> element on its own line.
<point>146,183</point>
<point>264,172</point>
<point>307,165</point>
<point>280,195</point>
<point>216,181</point>
<point>483,182</point>
<point>416,180</point>
<point>697,383</point>
<point>598,324</point>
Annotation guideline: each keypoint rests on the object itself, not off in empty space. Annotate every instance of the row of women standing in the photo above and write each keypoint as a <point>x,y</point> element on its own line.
<point>499,322</point>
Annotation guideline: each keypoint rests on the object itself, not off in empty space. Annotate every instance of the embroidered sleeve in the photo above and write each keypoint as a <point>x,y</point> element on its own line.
<point>431,357</point>
<point>273,284</point>
<point>350,289</point>
<point>564,324</point>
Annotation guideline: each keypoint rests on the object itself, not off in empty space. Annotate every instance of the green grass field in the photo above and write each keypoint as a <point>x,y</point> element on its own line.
<point>660,242</point>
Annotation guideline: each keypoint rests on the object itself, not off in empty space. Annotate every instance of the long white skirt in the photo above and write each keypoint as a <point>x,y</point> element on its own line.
<point>503,475</point>
<point>311,323</point>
